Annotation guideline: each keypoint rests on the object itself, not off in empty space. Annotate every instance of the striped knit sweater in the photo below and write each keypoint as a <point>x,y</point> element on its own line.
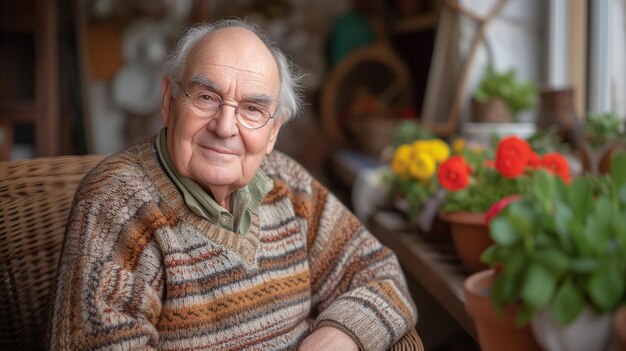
<point>140,270</point>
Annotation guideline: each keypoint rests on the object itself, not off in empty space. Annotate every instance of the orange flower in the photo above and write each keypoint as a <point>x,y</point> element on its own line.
<point>557,164</point>
<point>454,173</point>
<point>533,160</point>
<point>512,156</point>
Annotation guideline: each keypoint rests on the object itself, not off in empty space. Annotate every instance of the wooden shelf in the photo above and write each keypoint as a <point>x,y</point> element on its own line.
<point>33,26</point>
<point>433,263</point>
<point>18,111</point>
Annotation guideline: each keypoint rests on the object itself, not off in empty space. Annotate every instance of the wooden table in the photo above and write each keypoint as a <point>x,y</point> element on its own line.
<point>432,262</point>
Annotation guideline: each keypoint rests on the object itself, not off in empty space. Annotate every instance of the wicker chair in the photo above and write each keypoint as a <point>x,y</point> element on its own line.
<point>35,199</point>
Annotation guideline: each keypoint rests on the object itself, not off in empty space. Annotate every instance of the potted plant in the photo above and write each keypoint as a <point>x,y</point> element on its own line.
<point>477,179</point>
<point>603,135</point>
<point>411,178</point>
<point>619,328</point>
<point>560,251</point>
<point>500,96</point>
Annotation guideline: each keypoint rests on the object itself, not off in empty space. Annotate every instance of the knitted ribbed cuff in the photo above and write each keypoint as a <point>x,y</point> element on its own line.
<point>359,322</point>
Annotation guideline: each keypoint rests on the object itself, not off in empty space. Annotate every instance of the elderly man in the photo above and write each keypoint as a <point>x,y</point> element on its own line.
<point>205,239</point>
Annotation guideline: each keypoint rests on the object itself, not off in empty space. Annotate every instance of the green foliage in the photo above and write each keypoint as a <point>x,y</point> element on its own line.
<point>414,192</point>
<point>409,131</point>
<point>601,128</point>
<point>547,140</point>
<point>516,94</point>
<point>562,246</point>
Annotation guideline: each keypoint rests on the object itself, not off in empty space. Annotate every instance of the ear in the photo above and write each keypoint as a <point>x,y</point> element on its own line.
<point>166,91</point>
<point>273,135</point>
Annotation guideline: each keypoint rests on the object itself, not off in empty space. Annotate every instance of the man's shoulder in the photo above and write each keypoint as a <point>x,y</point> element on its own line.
<point>278,163</point>
<point>125,166</point>
<point>279,166</point>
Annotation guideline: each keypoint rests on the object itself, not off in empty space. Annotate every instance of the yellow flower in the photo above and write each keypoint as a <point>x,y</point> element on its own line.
<point>422,166</point>
<point>420,145</point>
<point>439,149</point>
<point>401,159</point>
<point>458,145</point>
<point>436,147</point>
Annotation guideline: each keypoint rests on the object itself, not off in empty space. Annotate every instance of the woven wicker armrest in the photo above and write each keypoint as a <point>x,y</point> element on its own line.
<point>410,342</point>
<point>35,199</point>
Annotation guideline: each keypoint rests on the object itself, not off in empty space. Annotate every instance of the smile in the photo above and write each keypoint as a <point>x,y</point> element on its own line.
<point>218,150</point>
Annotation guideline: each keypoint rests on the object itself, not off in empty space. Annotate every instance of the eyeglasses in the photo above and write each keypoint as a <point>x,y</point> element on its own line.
<point>207,104</point>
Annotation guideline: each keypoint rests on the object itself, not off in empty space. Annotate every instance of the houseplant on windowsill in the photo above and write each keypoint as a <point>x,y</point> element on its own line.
<point>560,252</point>
<point>603,135</point>
<point>476,180</point>
<point>501,96</point>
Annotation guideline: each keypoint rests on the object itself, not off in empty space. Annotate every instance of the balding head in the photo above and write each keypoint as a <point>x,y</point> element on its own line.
<point>288,98</point>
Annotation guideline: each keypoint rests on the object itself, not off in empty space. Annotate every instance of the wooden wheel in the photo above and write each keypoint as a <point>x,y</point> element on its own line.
<point>370,83</point>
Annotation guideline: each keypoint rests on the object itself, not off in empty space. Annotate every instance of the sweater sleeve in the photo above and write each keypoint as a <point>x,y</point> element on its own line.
<point>357,283</point>
<point>109,283</point>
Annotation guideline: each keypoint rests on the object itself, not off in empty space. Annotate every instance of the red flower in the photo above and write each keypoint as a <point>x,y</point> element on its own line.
<point>533,160</point>
<point>454,173</point>
<point>499,206</point>
<point>557,164</point>
<point>512,156</point>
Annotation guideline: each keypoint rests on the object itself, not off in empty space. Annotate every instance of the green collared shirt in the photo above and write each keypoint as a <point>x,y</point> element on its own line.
<point>246,200</point>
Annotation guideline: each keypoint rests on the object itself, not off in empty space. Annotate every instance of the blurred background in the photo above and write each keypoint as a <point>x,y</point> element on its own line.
<point>84,76</point>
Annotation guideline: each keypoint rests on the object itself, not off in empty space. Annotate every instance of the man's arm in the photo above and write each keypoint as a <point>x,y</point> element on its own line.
<point>357,284</point>
<point>100,305</point>
<point>109,283</point>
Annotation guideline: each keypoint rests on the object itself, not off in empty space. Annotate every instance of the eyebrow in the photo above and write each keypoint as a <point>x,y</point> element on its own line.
<point>262,99</point>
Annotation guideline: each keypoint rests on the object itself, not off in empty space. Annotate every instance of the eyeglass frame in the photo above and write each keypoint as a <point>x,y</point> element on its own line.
<point>222,103</point>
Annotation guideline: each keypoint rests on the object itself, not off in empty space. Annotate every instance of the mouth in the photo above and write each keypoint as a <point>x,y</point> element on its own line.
<point>218,150</point>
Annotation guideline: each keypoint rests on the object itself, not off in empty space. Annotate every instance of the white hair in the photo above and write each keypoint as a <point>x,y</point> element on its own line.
<point>289,94</point>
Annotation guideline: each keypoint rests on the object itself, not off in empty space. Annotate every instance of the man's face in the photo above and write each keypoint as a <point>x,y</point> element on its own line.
<point>218,153</point>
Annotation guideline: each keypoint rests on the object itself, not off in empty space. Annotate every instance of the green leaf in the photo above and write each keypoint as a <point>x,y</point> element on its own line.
<point>618,169</point>
<point>502,232</point>
<point>538,287</point>
<point>563,217</point>
<point>522,217</point>
<point>606,289</point>
<point>583,265</point>
<point>579,196</point>
<point>514,263</point>
<point>568,303</point>
<point>489,256</point>
<point>621,195</point>
<point>580,239</point>
<point>543,187</point>
<point>553,260</point>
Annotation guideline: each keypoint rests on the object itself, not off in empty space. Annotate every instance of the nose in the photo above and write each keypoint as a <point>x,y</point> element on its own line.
<point>224,124</point>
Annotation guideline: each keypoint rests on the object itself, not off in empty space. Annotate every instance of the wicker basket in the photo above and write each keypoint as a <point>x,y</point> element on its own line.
<point>35,197</point>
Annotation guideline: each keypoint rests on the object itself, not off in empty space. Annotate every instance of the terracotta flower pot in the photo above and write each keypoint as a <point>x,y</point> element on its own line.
<point>495,331</point>
<point>619,328</point>
<point>470,236</point>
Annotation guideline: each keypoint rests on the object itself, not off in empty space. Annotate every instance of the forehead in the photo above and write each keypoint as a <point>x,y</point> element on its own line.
<point>234,53</point>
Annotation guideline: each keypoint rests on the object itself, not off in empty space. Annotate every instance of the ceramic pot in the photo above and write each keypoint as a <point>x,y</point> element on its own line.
<point>588,332</point>
<point>556,108</point>
<point>470,236</point>
<point>496,331</point>
<point>598,161</point>
<point>619,328</point>
<point>493,110</point>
